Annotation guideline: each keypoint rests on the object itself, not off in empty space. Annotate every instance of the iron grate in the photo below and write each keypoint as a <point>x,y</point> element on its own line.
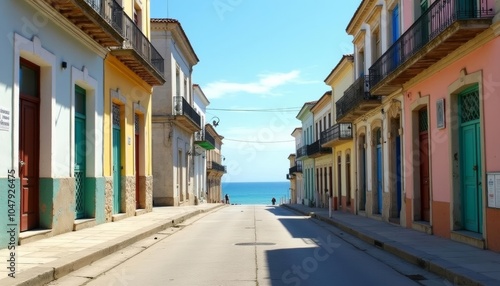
<point>470,106</point>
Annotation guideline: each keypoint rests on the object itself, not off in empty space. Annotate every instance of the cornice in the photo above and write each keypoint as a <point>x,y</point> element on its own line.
<point>69,27</point>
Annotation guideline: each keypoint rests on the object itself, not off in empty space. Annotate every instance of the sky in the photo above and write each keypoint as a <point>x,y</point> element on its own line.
<point>260,61</point>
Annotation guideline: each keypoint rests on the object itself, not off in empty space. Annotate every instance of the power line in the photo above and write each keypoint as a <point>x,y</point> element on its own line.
<point>285,109</point>
<point>263,142</point>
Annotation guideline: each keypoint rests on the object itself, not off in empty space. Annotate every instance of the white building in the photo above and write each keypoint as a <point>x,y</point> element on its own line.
<point>203,142</point>
<point>175,120</point>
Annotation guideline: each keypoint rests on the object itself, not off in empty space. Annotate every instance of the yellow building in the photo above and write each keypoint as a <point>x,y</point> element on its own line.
<point>340,138</point>
<point>130,72</point>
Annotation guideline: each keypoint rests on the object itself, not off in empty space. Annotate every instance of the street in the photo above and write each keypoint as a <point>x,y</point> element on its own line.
<point>261,245</point>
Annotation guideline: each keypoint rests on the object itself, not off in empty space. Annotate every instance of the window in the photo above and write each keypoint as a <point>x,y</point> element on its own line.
<point>177,82</point>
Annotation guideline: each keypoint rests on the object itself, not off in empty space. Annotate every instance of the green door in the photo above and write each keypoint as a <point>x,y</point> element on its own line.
<point>116,159</point>
<point>470,158</point>
<point>80,152</point>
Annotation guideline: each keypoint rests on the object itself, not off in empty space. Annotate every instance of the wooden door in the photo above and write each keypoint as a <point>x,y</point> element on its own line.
<point>425,200</point>
<point>29,144</point>
<point>117,166</point>
<point>470,158</point>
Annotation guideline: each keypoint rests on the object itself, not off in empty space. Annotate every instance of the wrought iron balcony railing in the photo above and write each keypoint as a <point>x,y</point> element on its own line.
<point>356,100</point>
<point>436,20</point>
<point>302,151</point>
<point>212,165</point>
<point>315,149</point>
<point>295,169</point>
<point>205,140</point>
<point>336,133</point>
<point>185,114</point>
<point>139,54</point>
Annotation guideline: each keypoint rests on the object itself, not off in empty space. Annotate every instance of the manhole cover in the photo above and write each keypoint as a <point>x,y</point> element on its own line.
<point>255,243</point>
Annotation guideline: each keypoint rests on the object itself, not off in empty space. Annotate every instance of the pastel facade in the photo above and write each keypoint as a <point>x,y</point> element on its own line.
<point>130,72</point>
<point>203,141</point>
<point>308,171</point>
<point>215,167</point>
<point>323,159</point>
<point>425,115</point>
<point>175,119</point>
<point>339,137</point>
<point>54,101</point>
<point>295,171</point>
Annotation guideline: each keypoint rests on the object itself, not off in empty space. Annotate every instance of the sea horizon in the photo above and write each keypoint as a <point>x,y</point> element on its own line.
<point>256,193</point>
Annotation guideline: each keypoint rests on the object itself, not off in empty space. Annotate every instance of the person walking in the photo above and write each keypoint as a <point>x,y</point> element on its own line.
<point>227,199</point>
<point>273,201</point>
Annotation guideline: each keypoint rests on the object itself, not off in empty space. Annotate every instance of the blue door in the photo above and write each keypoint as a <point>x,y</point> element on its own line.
<point>80,152</point>
<point>379,170</point>
<point>397,52</point>
<point>398,173</point>
<point>470,158</point>
<point>116,159</point>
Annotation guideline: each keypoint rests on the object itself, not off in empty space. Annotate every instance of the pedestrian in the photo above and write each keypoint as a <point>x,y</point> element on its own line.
<point>273,201</point>
<point>227,199</point>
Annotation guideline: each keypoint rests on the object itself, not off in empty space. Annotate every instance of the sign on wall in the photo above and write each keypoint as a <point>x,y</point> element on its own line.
<point>4,119</point>
<point>493,190</point>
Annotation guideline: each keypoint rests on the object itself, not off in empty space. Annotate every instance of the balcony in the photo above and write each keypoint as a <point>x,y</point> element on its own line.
<point>337,134</point>
<point>185,115</point>
<point>356,101</point>
<point>295,169</point>
<point>139,55</point>
<point>101,20</point>
<point>315,150</point>
<point>302,152</point>
<point>441,29</point>
<point>204,139</point>
<point>214,166</point>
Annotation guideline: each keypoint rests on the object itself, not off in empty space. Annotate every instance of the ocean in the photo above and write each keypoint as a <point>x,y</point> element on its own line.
<point>256,193</point>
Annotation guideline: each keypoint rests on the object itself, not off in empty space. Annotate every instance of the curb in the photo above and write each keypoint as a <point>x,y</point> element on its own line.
<point>51,271</point>
<point>431,263</point>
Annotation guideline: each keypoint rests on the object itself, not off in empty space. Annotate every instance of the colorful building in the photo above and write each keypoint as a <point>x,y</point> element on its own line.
<point>130,72</point>
<point>323,159</point>
<point>175,119</point>
<point>306,117</point>
<point>424,110</point>
<point>339,137</point>
<point>215,168</point>
<point>295,171</point>
<point>55,108</point>
<point>203,141</point>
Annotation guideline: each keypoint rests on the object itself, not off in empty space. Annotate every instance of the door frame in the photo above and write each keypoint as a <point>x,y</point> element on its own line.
<point>30,221</point>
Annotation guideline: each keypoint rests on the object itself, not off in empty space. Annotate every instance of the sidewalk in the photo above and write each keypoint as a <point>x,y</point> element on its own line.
<point>460,263</point>
<point>45,260</point>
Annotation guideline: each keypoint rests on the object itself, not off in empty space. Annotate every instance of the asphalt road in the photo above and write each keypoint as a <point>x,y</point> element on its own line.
<point>259,245</point>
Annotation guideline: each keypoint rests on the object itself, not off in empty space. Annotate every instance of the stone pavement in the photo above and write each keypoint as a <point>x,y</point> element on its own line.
<point>45,260</point>
<point>460,263</point>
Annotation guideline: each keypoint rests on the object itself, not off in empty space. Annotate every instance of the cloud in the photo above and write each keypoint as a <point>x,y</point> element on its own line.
<point>265,85</point>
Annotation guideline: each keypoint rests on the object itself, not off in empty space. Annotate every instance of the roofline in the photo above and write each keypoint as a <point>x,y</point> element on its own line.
<point>181,32</point>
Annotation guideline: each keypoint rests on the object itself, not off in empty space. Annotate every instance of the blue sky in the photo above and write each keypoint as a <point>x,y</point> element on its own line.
<point>265,55</point>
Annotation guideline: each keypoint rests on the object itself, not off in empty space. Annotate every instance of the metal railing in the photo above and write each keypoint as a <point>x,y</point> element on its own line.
<point>315,148</point>
<point>295,169</point>
<point>141,44</point>
<point>182,107</point>
<point>212,165</point>
<point>110,11</point>
<point>338,131</point>
<point>302,151</point>
<point>358,92</point>
<point>436,19</point>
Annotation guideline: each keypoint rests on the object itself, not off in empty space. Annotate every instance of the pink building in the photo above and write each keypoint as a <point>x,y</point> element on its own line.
<point>442,58</point>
